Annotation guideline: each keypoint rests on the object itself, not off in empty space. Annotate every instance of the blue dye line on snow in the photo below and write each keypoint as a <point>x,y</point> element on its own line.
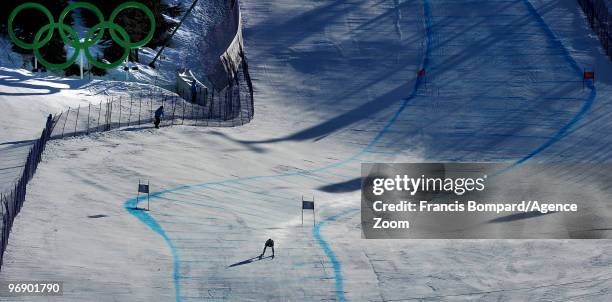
<point>131,205</point>
<point>316,233</point>
<point>147,219</point>
<point>563,131</point>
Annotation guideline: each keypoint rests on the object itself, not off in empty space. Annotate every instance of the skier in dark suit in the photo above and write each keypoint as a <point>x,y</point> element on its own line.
<point>269,243</point>
<point>159,113</point>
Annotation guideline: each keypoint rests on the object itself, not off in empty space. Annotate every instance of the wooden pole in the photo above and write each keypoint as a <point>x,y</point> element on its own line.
<point>109,110</point>
<point>88,113</point>
<point>120,112</point>
<point>99,115</point>
<point>130,114</point>
<point>77,119</point>
<point>65,121</point>
<point>183,120</point>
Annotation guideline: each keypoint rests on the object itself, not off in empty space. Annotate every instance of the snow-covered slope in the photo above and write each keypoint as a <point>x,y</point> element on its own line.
<point>25,103</point>
<point>335,86</point>
<point>27,100</point>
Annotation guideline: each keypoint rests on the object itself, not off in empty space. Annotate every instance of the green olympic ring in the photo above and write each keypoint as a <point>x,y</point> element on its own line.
<point>71,37</point>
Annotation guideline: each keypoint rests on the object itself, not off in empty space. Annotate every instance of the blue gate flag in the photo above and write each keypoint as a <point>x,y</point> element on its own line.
<point>307,205</point>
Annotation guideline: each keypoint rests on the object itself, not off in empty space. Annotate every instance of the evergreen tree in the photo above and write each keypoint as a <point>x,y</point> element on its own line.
<point>135,22</point>
<point>28,22</point>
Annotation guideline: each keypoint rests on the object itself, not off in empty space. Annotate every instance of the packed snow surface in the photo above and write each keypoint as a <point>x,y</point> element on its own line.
<point>335,85</point>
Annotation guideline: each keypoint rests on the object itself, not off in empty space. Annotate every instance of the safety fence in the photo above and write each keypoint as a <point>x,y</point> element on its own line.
<point>190,88</point>
<point>12,201</point>
<point>227,105</point>
<point>598,14</point>
<point>228,34</point>
<point>233,101</point>
<point>232,108</point>
<point>135,109</point>
<point>138,109</point>
<point>228,85</point>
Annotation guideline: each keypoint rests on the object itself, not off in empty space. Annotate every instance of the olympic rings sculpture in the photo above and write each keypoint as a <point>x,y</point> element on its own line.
<point>70,37</point>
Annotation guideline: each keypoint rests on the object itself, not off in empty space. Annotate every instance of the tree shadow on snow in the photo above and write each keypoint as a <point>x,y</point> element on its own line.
<point>339,122</point>
<point>518,216</point>
<point>342,187</point>
<point>18,80</point>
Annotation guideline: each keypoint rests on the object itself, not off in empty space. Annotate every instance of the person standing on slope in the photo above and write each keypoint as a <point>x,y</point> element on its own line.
<point>159,113</point>
<point>269,243</point>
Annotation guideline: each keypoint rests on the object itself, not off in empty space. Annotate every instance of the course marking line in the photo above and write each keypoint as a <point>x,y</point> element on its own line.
<point>150,221</point>
<point>563,131</point>
<point>316,233</point>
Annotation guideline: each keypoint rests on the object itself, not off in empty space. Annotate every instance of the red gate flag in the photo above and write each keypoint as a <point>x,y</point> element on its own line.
<point>589,75</point>
<point>421,72</point>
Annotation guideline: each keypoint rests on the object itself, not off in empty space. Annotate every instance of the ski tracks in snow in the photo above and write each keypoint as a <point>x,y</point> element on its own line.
<point>317,229</point>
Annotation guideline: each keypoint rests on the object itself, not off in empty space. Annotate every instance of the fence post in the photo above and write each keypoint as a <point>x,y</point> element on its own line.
<point>88,113</point>
<point>211,110</point>
<point>163,100</point>
<point>120,108</point>
<point>109,110</point>
<point>77,119</point>
<point>31,162</point>
<point>192,108</point>
<point>173,108</point>
<point>183,121</point>
<point>198,114</point>
<point>41,146</point>
<point>99,115</point>
<point>130,116</point>
<point>204,117</point>
<point>105,124</point>
<point>139,107</point>
<point>65,121</point>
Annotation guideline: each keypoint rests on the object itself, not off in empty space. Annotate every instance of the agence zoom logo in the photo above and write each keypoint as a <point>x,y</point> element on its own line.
<point>71,37</point>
